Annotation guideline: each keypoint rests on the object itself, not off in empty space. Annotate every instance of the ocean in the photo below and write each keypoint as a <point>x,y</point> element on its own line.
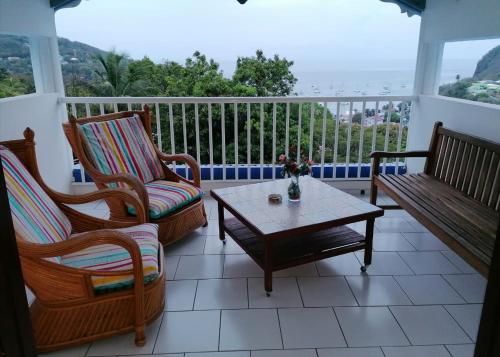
<point>358,78</point>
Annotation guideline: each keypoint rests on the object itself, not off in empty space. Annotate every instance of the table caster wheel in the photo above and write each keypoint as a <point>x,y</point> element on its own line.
<point>363,269</point>
<point>268,294</point>
<point>224,242</point>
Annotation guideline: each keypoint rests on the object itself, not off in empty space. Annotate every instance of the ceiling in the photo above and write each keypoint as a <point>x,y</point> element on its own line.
<point>411,7</point>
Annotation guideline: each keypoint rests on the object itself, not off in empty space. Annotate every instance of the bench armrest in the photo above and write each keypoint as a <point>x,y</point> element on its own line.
<point>387,154</point>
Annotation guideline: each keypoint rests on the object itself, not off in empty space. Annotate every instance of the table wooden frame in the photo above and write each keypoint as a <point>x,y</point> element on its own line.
<point>247,235</point>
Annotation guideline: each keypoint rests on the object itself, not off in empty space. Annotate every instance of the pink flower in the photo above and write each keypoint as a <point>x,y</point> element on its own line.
<point>282,157</point>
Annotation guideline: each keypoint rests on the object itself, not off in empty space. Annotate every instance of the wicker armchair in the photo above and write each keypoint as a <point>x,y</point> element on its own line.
<point>117,150</point>
<point>77,300</point>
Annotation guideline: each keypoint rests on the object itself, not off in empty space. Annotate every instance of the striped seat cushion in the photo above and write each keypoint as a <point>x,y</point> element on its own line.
<point>113,258</point>
<point>166,197</point>
<point>122,146</point>
<point>36,217</point>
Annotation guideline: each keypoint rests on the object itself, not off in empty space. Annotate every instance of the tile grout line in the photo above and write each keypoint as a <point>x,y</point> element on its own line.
<point>455,290</point>
<point>459,325</point>
<point>402,289</point>
<point>281,332</point>
<point>340,326</point>
<point>401,327</point>
<point>220,328</point>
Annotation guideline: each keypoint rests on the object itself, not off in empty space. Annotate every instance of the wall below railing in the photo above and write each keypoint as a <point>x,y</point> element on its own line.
<point>240,138</point>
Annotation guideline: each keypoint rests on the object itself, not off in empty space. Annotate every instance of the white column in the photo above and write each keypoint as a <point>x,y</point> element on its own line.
<point>47,71</point>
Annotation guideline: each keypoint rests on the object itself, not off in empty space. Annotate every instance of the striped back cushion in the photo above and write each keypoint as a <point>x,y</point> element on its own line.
<point>36,217</point>
<point>122,146</point>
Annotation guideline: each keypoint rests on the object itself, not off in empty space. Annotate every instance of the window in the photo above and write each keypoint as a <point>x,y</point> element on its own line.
<point>471,70</point>
<point>16,73</point>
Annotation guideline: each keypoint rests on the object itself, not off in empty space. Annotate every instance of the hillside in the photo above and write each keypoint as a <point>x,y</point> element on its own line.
<point>488,67</point>
<point>15,56</point>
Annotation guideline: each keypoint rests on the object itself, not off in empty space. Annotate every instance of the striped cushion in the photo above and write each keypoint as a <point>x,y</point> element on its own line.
<point>122,146</point>
<point>166,197</point>
<point>36,217</point>
<point>113,258</point>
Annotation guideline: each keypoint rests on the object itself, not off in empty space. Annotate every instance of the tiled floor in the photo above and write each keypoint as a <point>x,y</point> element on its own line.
<point>417,300</point>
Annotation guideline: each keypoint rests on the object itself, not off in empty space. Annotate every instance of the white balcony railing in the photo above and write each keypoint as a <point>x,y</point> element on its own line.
<point>240,138</point>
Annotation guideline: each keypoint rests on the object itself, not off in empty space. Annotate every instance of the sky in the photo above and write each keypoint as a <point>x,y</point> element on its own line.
<point>344,34</point>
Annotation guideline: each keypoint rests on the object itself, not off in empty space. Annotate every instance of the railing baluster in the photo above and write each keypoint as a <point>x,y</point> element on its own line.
<point>249,138</point>
<point>101,108</point>
<point>115,107</point>
<point>158,126</point>
<point>348,144</point>
<point>197,132</point>
<point>287,128</point>
<point>387,129</point>
<point>323,141</point>
<point>210,142</point>
<point>273,159</point>
<point>184,136</point>
<point>361,138</point>
<point>261,141</point>
<point>82,170</point>
<point>172,134</point>
<point>87,110</point>
<point>336,141</point>
<point>400,134</point>
<point>73,110</point>
<point>374,130</point>
<point>223,137</point>
<point>299,131</point>
<point>311,132</point>
<point>236,150</point>
<point>129,106</point>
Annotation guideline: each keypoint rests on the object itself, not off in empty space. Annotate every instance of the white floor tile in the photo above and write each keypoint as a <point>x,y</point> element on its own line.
<point>351,352</point>
<point>459,262</point>
<point>214,245</point>
<point>219,354</point>
<point>200,267</point>
<point>171,264</point>
<point>467,316</point>
<point>377,291</point>
<point>124,344</point>
<point>251,329</point>
<point>326,291</point>
<point>345,264</point>
<point>429,290</point>
<point>470,286</point>
<point>189,331</point>
<point>370,326</point>
<point>386,263</point>
<point>391,242</point>
<point>429,325</point>
<point>221,294</point>
<point>180,295</point>
<point>285,293</point>
<point>284,353</point>
<point>416,351</point>
<point>310,328</point>
<point>425,241</point>
<point>300,270</point>
<point>393,224</point>
<point>241,266</point>
<point>461,350</point>
<point>428,263</point>
<point>193,244</point>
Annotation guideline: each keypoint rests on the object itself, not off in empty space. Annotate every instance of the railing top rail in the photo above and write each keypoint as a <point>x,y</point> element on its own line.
<point>218,100</point>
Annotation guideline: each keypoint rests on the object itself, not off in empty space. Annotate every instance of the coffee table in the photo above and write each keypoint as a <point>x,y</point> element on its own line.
<point>287,234</point>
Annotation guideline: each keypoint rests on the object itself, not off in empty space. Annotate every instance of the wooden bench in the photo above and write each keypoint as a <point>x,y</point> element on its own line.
<point>457,197</point>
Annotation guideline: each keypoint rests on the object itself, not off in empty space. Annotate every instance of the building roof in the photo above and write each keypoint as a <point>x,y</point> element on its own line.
<point>411,7</point>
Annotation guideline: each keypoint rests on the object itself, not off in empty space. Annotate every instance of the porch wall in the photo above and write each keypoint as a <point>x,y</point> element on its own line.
<point>40,112</point>
<point>445,21</point>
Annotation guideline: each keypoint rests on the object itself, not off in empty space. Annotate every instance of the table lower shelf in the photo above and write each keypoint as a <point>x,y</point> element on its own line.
<point>296,250</point>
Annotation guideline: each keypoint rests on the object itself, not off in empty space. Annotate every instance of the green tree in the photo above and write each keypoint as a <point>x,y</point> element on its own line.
<point>112,69</point>
<point>269,76</point>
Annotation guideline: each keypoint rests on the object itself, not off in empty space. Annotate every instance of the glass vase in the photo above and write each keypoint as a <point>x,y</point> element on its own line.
<point>294,189</point>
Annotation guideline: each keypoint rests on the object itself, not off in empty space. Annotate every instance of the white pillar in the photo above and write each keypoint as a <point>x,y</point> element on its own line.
<point>47,71</point>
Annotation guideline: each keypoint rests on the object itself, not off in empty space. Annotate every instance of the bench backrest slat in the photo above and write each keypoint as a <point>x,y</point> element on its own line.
<point>467,163</point>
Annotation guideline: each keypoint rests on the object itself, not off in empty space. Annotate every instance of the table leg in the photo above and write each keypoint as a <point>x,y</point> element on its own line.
<point>268,268</point>
<point>369,243</point>
<point>222,234</point>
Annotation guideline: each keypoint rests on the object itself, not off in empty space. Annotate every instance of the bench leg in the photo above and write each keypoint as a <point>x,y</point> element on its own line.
<point>373,194</point>
<point>369,242</point>
<point>268,268</point>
